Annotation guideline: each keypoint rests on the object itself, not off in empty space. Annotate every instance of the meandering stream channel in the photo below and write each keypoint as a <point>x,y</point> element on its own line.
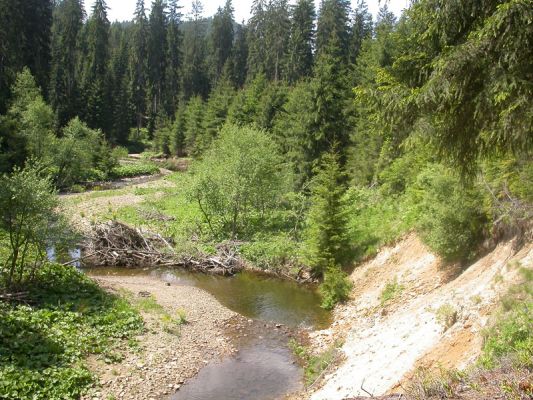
<point>264,368</point>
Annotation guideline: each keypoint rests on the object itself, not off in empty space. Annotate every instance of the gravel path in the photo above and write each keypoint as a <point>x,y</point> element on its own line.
<point>164,360</point>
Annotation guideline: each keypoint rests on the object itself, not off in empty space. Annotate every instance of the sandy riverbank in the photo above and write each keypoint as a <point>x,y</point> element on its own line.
<point>164,360</point>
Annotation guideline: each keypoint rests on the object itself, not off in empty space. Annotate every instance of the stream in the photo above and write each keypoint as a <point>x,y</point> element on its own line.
<point>263,368</point>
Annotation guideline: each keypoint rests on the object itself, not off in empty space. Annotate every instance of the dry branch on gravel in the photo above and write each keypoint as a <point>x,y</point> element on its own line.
<point>116,244</point>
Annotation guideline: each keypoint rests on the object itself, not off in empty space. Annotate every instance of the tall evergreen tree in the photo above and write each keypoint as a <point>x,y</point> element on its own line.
<point>221,41</point>
<point>174,58</point>
<point>194,78</point>
<point>95,75</point>
<point>25,33</point>
<point>64,80</point>
<point>256,31</point>
<point>333,30</point>
<point>120,92</point>
<point>361,29</point>
<point>301,42</point>
<point>138,63</point>
<point>237,68</point>
<point>277,32</point>
<point>157,56</point>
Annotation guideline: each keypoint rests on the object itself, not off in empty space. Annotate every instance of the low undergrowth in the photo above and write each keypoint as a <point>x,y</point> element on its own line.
<point>314,364</point>
<point>44,343</point>
<point>133,170</point>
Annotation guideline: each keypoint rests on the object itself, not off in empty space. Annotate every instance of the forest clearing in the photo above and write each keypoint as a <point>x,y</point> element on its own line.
<point>266,199</point>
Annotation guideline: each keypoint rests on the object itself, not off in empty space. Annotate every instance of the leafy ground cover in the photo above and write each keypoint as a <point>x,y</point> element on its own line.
<point>44,343</point>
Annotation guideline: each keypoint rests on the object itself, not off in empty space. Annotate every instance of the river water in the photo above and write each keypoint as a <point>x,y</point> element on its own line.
<point>264,368</point>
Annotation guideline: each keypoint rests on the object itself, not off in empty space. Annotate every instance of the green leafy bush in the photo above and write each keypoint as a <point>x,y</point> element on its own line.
<point>239,179</point>
<point>133,170</point>
<point>271,252</point>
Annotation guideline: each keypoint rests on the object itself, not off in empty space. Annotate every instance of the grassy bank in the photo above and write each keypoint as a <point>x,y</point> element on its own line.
<point>46,339</point>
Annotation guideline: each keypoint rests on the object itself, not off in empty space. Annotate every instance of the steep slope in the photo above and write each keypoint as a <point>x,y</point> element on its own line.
<point>435,315</point>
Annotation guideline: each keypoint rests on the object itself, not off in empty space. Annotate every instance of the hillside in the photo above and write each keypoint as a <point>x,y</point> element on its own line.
<point>385,342</point>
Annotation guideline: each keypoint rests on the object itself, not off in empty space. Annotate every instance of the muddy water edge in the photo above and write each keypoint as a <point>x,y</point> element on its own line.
<point>274,311</point>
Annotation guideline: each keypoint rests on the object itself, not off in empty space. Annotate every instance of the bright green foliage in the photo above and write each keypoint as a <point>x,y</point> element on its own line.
<point>450,219</point>
<point>326,241</point>
<point>132,170</point>
<point>239,178</point>
<point>30,220</point>
<point>43,347</point>
<point>391,290</point>
<point>511,331</point>
<point>335,288</point>
<point>81,155</point>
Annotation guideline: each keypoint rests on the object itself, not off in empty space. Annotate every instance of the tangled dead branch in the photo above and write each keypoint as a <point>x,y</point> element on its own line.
<point>117,244</point>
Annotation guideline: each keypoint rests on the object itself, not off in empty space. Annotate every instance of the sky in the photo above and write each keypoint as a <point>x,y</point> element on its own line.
<point>122,10</point>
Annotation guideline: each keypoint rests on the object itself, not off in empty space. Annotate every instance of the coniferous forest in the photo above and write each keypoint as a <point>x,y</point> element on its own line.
<point>313,135</point>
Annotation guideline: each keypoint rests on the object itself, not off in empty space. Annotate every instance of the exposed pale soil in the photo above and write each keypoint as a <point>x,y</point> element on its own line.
<point>165,360</point>
<point>383,344</point>
<point>83,209</point>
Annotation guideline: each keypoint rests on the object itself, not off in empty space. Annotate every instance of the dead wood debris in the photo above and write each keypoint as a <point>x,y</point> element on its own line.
<point>114,244</point>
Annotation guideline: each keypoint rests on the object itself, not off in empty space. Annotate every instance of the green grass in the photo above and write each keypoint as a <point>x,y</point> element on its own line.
<point>43,345</point>
<point>314,364</point>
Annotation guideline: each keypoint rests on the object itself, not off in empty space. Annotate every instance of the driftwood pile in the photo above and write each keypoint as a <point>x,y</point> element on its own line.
<point>114,244</point>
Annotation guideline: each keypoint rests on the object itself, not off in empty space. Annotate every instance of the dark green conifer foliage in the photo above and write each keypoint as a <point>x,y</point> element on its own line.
<point>333,30</point>
<point>157,56</point>
<point>195,79</point>
<point>64,79</point>
<point>302,38</point>
<point>174,58</point>
<point>120,88</point>
<point>257,31</point>
<point>138,64</point>
<point>237,67</point>
<point>361,29</point>
<point>220,41</point>
<point>95,72</point>
<point>327,243</point>
<point>276,39</point>
<point>25,34</point>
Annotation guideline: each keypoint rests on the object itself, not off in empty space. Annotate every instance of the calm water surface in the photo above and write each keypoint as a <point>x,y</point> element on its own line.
<point>264,368</point>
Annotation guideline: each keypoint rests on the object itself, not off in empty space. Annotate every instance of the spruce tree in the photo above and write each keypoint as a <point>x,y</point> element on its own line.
<point>333,30</point>
<point>220,41</point>
<point>327,245</point>
<point>256,31</point>
<point>237,67</point>
<point>157,56</point>
<point>276,35</point>
<point>301,42</point>
<point>361,29</point>
<point>95,75</point>
<point>174,58</point>
<point>64,79</point>
<point>138,64</point>
<point>194,78</point>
